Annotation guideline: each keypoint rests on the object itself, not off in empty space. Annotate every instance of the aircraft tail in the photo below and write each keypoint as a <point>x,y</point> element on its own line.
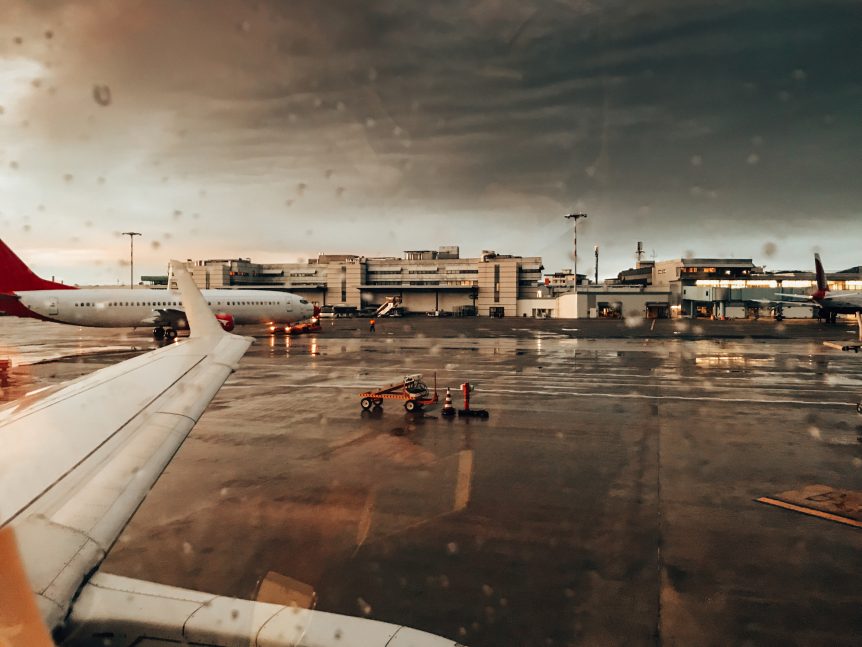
<point>15,276</point>
<point>822,285</point>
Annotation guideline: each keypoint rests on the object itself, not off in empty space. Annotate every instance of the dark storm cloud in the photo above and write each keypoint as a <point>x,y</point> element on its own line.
<point>679,123</point>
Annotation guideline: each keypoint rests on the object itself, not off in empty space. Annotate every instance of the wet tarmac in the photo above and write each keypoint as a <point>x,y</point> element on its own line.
<point>609,498</point>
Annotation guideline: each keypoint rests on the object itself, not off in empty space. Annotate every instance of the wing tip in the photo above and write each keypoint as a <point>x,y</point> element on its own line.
<point>201,320</point>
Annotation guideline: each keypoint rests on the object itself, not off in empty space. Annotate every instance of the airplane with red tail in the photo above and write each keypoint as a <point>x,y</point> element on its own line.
<point>24,294</point>
<point>830,305</point>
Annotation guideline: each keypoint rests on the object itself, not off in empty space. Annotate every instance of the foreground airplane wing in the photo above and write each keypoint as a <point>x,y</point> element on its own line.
<point>79,459</point>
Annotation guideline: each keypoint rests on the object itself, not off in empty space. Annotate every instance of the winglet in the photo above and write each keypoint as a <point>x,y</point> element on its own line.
<point>202,322</point>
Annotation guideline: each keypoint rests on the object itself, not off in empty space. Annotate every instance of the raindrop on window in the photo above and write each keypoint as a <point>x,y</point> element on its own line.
<point>102,94</point>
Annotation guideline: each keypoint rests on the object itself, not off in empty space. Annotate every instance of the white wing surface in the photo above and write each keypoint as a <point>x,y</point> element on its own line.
<point>77,462</point>
<point>122,612</point>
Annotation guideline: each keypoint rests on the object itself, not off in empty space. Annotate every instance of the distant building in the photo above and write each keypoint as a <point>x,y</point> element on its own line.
<point>425,280</point>
<point>508,285</point>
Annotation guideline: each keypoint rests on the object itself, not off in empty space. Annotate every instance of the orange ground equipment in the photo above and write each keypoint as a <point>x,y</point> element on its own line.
<point>467,389</point>
<point>303,327</point>
<point>411,390</point>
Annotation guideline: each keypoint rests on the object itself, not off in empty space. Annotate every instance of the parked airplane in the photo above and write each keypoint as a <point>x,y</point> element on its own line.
<point>77,461</point>
<point>830,305</point>
<point>23,294</point>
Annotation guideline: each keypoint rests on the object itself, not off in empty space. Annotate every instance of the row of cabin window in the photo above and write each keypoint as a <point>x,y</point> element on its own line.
<point>176,303</point>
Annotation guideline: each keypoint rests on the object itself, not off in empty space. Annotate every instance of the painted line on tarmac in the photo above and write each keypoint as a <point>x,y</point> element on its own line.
<point>710,386</point>
<point>809,511</point>
<point>645,382</point>
<point>644,396</point>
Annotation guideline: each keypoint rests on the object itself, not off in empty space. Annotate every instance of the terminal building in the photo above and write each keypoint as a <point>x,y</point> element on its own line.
<point>425,280</point>
<point>492,284</point>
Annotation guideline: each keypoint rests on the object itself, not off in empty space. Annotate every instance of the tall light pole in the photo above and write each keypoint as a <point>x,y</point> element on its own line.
<point>574,217</point>
<point>131,235</point>
<point>596,250</point>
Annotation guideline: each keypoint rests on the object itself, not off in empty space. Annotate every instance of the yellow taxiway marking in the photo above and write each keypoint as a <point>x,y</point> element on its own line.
<point>810,511</point>
<point>463,485</point>
<point>364,524</point>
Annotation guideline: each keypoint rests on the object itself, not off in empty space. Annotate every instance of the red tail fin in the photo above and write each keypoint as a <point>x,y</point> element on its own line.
<point>822,284</point>
<point>15,276</point>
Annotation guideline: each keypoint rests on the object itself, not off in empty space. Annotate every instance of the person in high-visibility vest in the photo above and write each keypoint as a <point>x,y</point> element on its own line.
<point>371,325</point>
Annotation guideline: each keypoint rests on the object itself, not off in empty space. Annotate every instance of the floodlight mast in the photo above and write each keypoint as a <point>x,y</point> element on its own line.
<point>574,217</point>
<point>131,235</point>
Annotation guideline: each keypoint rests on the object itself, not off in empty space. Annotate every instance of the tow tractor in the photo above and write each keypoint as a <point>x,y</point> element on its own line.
<point>312,325</point>
<point>411,390</point>
<point>300,327</point>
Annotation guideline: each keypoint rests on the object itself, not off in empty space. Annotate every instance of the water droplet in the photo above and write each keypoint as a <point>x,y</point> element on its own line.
<point>102,94</point>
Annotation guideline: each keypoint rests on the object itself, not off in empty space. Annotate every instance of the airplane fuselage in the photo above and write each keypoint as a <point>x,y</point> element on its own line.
<point>843,304</point>
<point>122,307</point>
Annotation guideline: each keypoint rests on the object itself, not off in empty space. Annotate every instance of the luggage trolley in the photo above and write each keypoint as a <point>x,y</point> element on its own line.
<point>412,390</point>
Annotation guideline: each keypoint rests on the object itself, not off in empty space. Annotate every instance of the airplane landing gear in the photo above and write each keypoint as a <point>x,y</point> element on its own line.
<point>164,333</point>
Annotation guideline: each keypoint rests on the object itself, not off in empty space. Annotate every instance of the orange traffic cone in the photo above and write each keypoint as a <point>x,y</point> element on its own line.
<point>448,409</point>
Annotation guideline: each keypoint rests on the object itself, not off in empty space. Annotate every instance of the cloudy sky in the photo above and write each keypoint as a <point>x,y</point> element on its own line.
<point>279,130</point>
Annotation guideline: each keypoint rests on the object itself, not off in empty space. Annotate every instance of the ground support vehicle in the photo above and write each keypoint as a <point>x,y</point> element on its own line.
<point>411,390</point>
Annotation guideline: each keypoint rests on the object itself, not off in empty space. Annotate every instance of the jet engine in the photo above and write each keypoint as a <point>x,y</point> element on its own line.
<point>226,321</point>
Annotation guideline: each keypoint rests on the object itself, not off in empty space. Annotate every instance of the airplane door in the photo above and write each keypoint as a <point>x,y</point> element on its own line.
<point>52,306</point>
